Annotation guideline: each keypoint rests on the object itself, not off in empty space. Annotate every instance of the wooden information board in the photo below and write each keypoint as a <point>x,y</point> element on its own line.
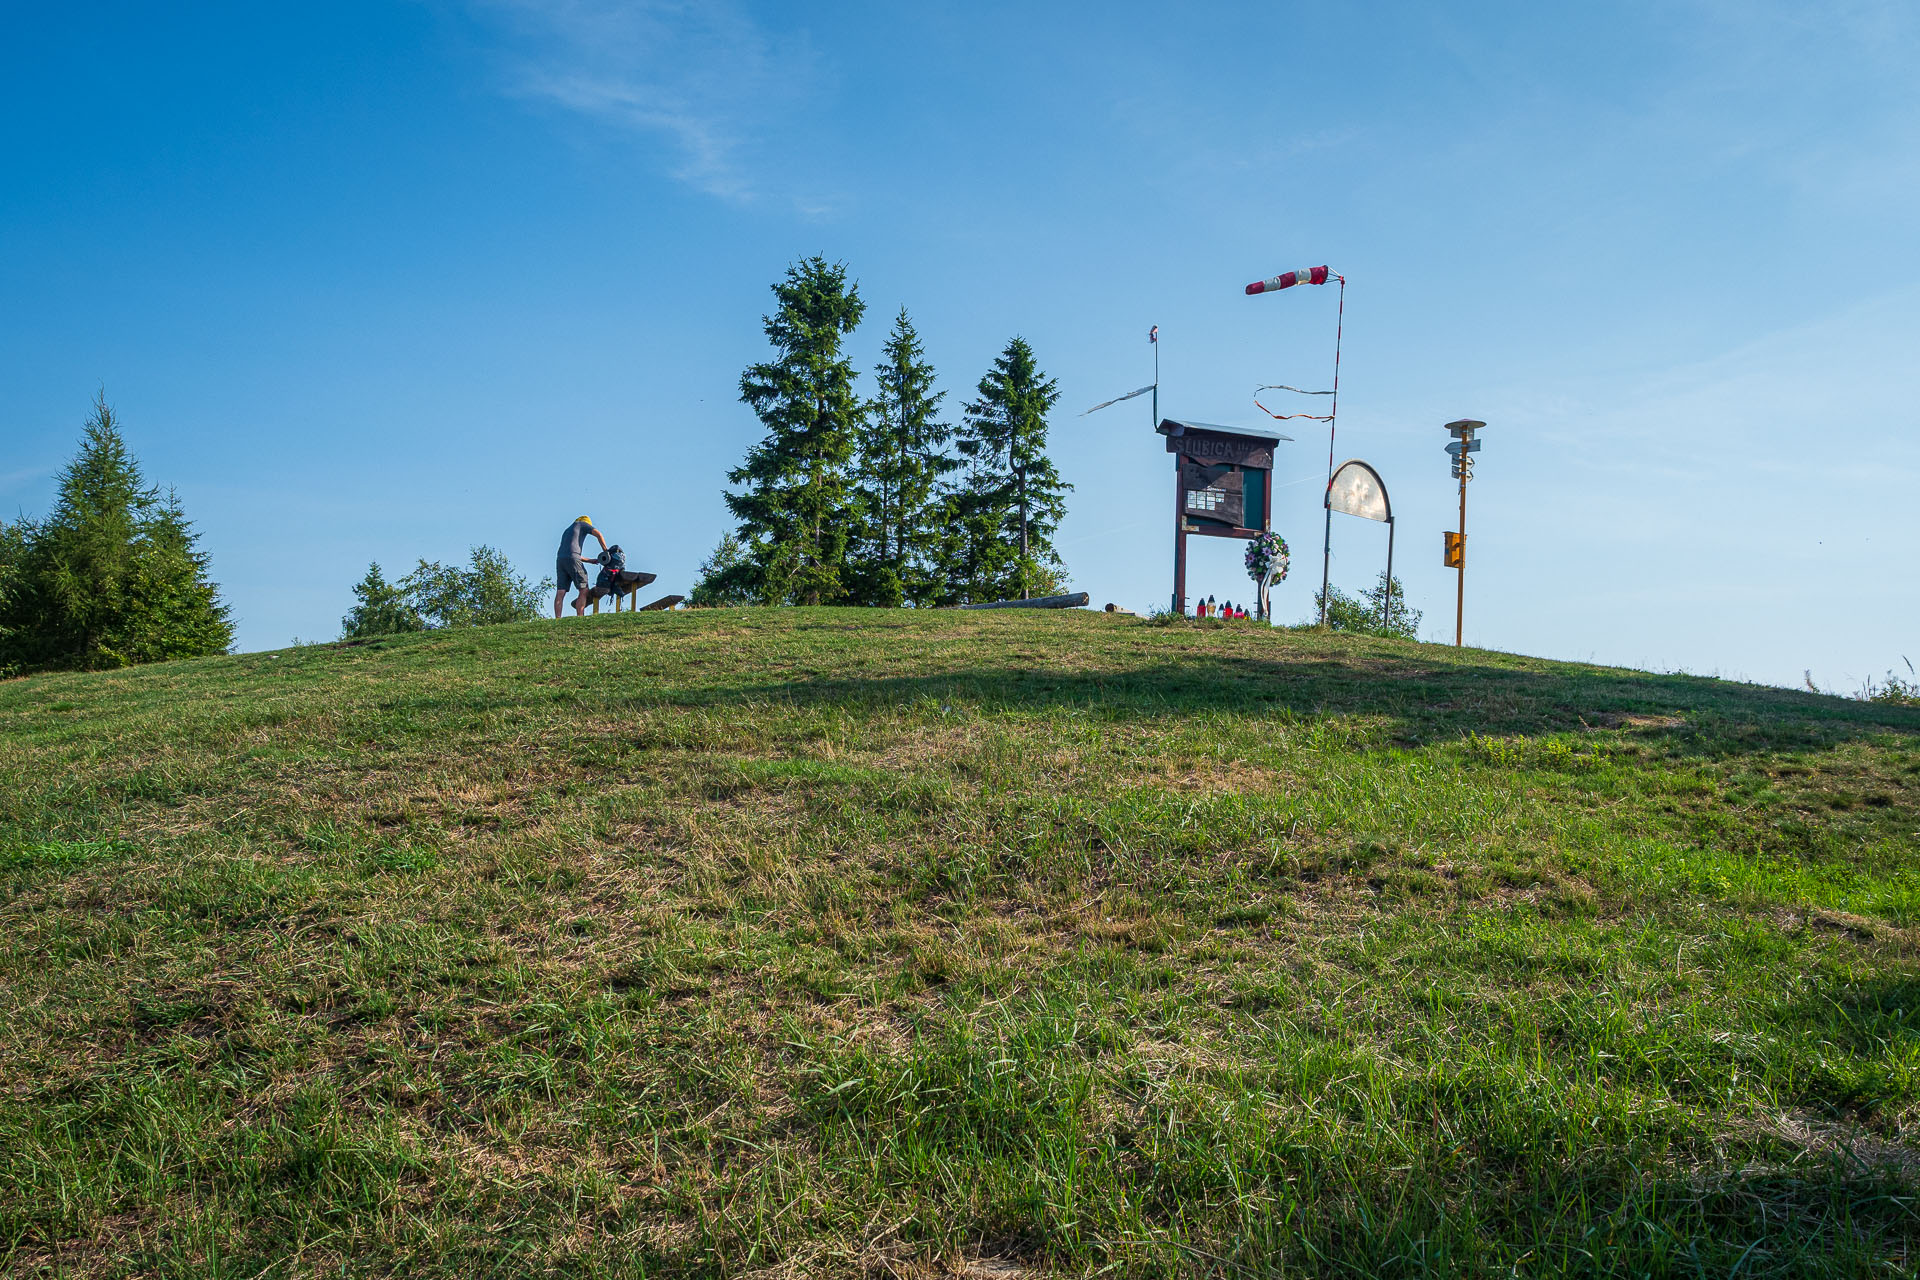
<point>1223,487</point>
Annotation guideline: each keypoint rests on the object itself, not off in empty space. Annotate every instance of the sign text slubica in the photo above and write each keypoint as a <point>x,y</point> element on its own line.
<point>1208,448</point>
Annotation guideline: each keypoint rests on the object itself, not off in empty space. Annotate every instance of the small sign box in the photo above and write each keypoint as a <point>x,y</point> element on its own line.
<point>1455,550</point>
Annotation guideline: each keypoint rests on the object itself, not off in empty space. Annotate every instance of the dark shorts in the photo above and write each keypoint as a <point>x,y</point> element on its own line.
<point>568,572</point>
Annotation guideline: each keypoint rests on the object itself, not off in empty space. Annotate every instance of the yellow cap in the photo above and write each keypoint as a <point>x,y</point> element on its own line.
<point>583,519</point>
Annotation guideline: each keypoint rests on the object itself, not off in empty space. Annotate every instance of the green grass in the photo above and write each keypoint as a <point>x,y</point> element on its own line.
<point>823,942</point>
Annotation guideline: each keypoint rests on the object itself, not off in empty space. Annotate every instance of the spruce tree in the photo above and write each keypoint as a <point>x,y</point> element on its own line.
<point>796,510</point>
<point>175,610</point>
<point>16,590</point>
<point>380,608</point>
<point>113,576</point>
<point>1011,502</point>
<point>722,576</point>
<point>902,458</point>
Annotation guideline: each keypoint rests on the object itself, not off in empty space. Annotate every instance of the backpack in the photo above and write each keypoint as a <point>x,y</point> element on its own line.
<point>613,563</point>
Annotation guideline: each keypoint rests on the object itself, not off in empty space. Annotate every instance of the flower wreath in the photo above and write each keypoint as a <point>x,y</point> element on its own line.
<point>1267,557</point>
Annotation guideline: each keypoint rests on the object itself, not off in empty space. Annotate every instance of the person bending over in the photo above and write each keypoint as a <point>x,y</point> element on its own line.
<point>570,569</point>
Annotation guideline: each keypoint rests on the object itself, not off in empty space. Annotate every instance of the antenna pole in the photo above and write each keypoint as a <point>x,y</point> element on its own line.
<point>1333,417</point>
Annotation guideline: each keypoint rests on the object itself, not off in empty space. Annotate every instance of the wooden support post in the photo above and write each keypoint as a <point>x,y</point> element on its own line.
<point>1179,541</point>
<point>596,604</point>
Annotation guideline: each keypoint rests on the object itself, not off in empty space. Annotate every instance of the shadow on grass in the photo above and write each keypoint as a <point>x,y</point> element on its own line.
<point>1868,1017</point>
<point>1420,700</point>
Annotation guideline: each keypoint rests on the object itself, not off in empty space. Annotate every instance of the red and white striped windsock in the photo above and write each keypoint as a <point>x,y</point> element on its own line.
<point>1288,279</point>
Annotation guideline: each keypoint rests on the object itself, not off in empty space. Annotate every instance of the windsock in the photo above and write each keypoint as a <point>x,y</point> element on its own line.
<point>1288,279</point>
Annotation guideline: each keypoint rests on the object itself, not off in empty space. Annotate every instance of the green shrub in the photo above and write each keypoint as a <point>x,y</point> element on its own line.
<point>436,596</point>
<point>1363,614</point>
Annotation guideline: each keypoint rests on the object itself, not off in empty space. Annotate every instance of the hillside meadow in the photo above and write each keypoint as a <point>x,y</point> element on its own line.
<point>838,942</point>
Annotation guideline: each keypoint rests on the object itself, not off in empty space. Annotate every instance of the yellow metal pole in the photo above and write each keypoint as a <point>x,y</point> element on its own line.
<point>1460,591</point>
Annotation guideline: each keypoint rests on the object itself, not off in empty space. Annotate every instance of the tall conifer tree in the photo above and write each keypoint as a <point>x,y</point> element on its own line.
<point>114,576</point>
<point>901,461</point>
<point>1006,511</point>
<point>795,512</point>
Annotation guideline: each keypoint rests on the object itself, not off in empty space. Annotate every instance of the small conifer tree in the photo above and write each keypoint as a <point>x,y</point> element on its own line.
<point>725,576</point>
<point>381,608</point>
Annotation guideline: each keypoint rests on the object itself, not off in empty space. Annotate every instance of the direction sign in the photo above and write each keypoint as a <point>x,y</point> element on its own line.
<point>1458,447</point>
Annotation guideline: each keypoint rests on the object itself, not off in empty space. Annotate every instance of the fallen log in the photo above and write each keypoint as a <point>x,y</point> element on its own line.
<point>1074,601</point>
<point>664,602</point>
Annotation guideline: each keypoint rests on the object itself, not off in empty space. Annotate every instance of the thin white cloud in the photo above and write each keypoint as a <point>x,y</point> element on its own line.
<point>714,85</point>
<point>9,480</point>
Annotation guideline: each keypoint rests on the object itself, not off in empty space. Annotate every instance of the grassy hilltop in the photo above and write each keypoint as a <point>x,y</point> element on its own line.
<point>816,942</point>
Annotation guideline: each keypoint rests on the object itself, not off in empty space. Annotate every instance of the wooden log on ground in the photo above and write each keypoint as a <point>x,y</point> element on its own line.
<point>1074,601</point>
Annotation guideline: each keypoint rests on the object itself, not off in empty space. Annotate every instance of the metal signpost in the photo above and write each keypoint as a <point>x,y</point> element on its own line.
<point>1358,490</point>
<point>1461,449</point>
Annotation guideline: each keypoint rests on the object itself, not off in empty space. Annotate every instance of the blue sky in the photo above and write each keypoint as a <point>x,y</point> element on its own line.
<point>382,281</point>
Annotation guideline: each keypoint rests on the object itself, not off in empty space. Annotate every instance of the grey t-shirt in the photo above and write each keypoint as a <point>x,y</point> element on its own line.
<point>574,540</point>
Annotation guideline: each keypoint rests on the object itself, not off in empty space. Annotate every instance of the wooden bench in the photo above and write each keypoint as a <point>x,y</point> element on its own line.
<point>624,586</point>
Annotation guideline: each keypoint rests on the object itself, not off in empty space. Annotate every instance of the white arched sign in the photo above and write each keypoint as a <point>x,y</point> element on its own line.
<point>1358,490</point>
